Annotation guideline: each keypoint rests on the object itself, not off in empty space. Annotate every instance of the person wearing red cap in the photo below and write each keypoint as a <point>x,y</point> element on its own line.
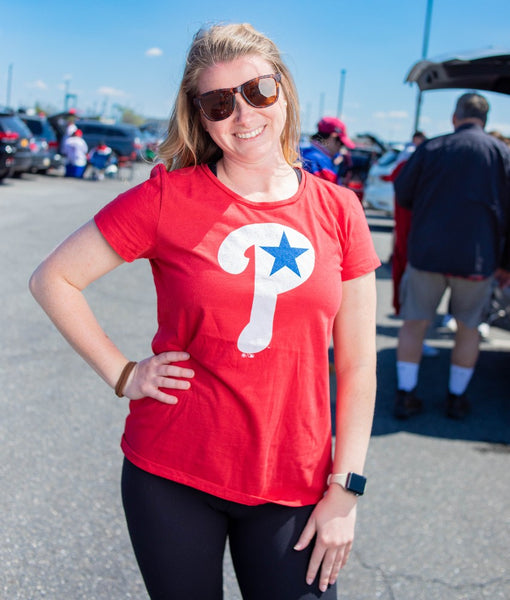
<point>99,159</point>
<point>327,156</point>
<point>75,150</point>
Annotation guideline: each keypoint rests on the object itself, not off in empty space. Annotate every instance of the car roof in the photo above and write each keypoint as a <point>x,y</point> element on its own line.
<point>34,117</point>
<point>486,69</point>
<point>105,125</point>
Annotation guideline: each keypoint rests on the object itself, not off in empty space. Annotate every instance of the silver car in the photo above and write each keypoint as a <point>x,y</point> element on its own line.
<point>379,192</point>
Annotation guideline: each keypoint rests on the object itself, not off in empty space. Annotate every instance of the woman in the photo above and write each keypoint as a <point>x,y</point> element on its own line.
<point>256,265</point>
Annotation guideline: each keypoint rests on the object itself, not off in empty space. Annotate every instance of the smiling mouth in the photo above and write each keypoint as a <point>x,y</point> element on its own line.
<point>250,134</point>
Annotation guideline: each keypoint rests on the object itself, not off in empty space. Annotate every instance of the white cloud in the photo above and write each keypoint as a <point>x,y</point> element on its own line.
<point>152,52</point>
<point>37,85</point>
<point>391,114</point>
<point>398,114</point>
<point>109,91</point>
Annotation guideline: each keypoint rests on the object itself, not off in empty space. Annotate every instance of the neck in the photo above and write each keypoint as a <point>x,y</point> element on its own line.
<point>259,183</point>
<point>469,121</point>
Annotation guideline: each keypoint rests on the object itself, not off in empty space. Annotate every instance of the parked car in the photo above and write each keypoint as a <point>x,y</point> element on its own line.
<point>367,150</point>
<point>379,191</point>
<point>15,139</point>
<point>47,154</point>
<point>124,139</point>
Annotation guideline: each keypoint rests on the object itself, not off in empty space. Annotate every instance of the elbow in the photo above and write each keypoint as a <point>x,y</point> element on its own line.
<point>34,283</point>
<point>37,283</point>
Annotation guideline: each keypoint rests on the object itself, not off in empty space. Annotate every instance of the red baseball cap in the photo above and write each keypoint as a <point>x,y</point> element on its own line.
<point>333,125</point>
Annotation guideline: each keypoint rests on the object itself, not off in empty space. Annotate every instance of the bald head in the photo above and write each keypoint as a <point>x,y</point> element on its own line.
<point>471,108</point>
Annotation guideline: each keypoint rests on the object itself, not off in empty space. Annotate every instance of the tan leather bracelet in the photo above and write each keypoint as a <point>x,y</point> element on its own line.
<point>126,372</point>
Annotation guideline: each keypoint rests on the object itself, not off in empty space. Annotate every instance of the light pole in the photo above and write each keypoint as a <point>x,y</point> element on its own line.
<point>341,94</point>
<point>424,52</point>
<point>9,85</point>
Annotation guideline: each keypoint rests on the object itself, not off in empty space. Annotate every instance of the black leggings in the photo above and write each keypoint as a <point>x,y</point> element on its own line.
<point>179,536</point>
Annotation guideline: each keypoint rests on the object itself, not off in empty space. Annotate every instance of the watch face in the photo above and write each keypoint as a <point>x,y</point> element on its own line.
<point>356,483</point>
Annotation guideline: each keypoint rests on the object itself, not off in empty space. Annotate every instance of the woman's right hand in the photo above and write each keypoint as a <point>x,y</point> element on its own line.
<point>155,372</point>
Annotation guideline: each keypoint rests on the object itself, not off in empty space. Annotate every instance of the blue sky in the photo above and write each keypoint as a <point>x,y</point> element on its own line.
<point>132,53</point>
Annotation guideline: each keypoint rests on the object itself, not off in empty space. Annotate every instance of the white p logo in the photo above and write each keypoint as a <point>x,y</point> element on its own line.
<point>284,259</point>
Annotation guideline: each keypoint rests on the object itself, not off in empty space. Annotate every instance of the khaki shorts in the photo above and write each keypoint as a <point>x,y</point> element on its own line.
<point>421,293</point>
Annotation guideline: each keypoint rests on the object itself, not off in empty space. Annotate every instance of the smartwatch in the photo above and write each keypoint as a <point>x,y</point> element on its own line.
<point>351,482</point>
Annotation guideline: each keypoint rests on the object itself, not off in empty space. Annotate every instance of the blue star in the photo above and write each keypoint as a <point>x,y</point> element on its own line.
<point>284,255</point>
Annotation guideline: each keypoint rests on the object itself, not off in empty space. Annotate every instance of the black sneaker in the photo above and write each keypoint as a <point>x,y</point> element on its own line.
<point>457,406</point>
<point>406,404</point>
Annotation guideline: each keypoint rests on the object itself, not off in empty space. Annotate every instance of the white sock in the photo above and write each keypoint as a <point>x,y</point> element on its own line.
<point>407,375</point>
<point>459,379</point>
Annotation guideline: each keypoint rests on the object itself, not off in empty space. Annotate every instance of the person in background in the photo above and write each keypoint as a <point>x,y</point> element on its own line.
<point>99,159</point>
<point>484,328</point>
<point>75,151</point>
<point>328,156</point>
<point>69,127</point>
<point>402,218</point>
<point>458,188</point>
<point>257,265</point>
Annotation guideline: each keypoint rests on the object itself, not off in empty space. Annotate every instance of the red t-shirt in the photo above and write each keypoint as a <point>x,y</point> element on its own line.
<point>250,290</point>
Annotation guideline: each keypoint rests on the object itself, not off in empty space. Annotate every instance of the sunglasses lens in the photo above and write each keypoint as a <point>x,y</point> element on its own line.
<point>218,105</point>
<point>261,92</point>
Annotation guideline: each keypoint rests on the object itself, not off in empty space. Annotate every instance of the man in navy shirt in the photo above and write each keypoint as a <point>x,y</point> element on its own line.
<point>458,189</point>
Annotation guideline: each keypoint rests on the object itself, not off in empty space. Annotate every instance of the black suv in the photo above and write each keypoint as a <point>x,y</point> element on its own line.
<point>15,140</point>
<point>47,154</point>
<point>125,140</point>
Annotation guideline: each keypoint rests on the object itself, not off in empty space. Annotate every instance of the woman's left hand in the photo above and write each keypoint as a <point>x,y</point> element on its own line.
<point>332,521</point>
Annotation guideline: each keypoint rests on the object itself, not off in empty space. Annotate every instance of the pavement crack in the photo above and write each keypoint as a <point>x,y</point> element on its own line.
<point>390,578</point>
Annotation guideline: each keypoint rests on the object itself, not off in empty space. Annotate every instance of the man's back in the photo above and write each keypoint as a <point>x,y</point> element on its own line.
<point>458,187</point>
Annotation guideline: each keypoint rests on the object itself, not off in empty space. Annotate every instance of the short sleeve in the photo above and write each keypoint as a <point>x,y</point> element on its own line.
<point>359,255</point>
<point>130,222</point>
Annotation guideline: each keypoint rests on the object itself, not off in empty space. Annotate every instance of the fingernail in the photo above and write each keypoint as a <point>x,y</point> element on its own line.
<point>309,581</point>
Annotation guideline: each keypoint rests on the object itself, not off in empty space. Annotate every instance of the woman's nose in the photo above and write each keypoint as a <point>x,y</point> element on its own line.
<point>242,109</point>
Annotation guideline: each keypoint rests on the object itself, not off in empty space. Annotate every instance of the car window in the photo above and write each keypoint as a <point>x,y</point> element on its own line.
<point>14,124</point>
<point>116,132</point>
<point>91,128</point>
<point>48,131</point>
<point>35,126</point>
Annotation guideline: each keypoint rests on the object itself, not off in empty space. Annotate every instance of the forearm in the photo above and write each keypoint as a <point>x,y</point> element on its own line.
<point>355,401</point>
<point>355,366</point>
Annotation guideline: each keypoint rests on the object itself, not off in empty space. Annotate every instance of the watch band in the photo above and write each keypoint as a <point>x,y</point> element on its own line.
<point>351,482</point>
<point>340,478</point>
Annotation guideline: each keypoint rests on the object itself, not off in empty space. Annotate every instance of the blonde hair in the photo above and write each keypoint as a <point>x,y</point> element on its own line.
<point>187,143</point>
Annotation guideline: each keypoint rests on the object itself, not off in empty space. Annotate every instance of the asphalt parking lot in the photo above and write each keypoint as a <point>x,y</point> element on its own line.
<point>433,525</point>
